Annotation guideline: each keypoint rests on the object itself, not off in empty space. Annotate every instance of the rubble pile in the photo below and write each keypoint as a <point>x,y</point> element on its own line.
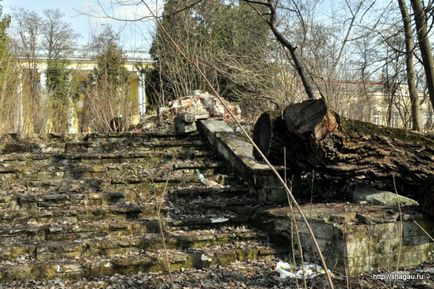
<point>181,114</point>
<point>204,105</point>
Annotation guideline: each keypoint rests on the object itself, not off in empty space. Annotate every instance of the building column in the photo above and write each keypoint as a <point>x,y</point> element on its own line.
<point>43,98</point>
<point>142,94</point>
<point>72,120</point>
<point>20,108</point>
<point>43,79</point>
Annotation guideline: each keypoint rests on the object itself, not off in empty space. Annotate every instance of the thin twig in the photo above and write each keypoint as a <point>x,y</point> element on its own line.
<point>291,215</point>
<point>311,192</point>
<point>423,230</point>
<point>163,238</point>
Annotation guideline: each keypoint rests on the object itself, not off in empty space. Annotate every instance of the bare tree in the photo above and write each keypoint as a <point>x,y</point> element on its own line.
<point>9,112</point>
<point>28,27</point>
<point>107,94</point>
<point>411,75</point>
<point>420,19</point>
<point>46,88</point>
<point>58,37</point>
<point>271,21</point>
<point>228,42</point>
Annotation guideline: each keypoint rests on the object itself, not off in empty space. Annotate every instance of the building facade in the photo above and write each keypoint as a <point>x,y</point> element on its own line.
<point>80,66</point>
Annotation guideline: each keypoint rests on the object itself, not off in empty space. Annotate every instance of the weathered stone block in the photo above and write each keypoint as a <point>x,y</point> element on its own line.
<point>237,151</point>
<point>356,248</point>
<point>384,198</point>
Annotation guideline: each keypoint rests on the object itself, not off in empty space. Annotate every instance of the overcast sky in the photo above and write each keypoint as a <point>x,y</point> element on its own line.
<point>86,18</point>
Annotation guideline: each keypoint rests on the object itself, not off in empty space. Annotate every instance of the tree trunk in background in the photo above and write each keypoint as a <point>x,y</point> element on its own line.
<point>424,44</point>
<point>411,75</point>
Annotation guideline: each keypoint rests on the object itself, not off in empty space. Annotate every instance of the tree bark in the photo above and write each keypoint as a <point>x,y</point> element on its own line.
<point>411,75</point>
<point>270,135</point>
<point>425,46</point>
<point>316,138</point>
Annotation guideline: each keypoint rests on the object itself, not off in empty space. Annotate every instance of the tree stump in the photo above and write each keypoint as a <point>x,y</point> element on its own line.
<point>318,139</point>
<point>270,135</point>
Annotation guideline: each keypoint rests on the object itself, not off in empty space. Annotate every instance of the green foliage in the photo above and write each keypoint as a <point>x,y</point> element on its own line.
<point>58,39</point>
<point>5,21</point>
<point>110,60</point>
<point>4,24</point>
<point>59,80</point>
<point>107,92</point>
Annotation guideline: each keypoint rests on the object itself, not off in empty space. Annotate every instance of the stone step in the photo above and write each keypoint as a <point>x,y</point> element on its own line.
<point>197,257</point>
<point>50,186</point>
<point>218,211</point>
<point>216,201</point>
<point>199,164</point>
<point>191,239</point>
<point>195,192</point>
<point>24,144</point>
<point>71,199</point>
<point>212,219</point>
<point>138,135</point>
<point>146,262</point>
<point>92,205</point>
<point>129,183</point>
<point>116,246</point>
<point>138,145</point>
<point>62,159</point>
<point>178,152</point>
<point>75,214</point>
<point>72,249</point>
<point>46,209</point>
<point>79,169</point>
<point>15,235</point>
<point>37,157</point>
<point>93,173</point>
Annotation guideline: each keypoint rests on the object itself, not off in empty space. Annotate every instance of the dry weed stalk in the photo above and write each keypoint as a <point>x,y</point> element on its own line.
<point>9,92</point>
<point>294,226</point>
<point>423,230</point>
<point>163,238</point>
<point>104,102</point>
<point>273,169</point>
<point>401,224</point>
<point>161,227</point>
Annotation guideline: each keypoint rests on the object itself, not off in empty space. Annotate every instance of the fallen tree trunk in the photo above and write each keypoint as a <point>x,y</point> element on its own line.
<point>317,139</point>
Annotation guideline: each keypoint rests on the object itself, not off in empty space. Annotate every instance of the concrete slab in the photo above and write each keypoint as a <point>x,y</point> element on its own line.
<point>238,152</point>
<point>357,238</point>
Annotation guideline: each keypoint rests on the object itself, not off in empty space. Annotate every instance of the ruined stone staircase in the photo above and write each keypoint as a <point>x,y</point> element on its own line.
<point>94,206</point>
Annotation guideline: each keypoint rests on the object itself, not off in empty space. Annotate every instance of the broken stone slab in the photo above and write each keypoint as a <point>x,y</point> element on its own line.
<point>236,151</point>
<point>186,122</point>
<point>183,127</point>
<point>192,117</point>
<point>355,239</point>
<point>365,193</point>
